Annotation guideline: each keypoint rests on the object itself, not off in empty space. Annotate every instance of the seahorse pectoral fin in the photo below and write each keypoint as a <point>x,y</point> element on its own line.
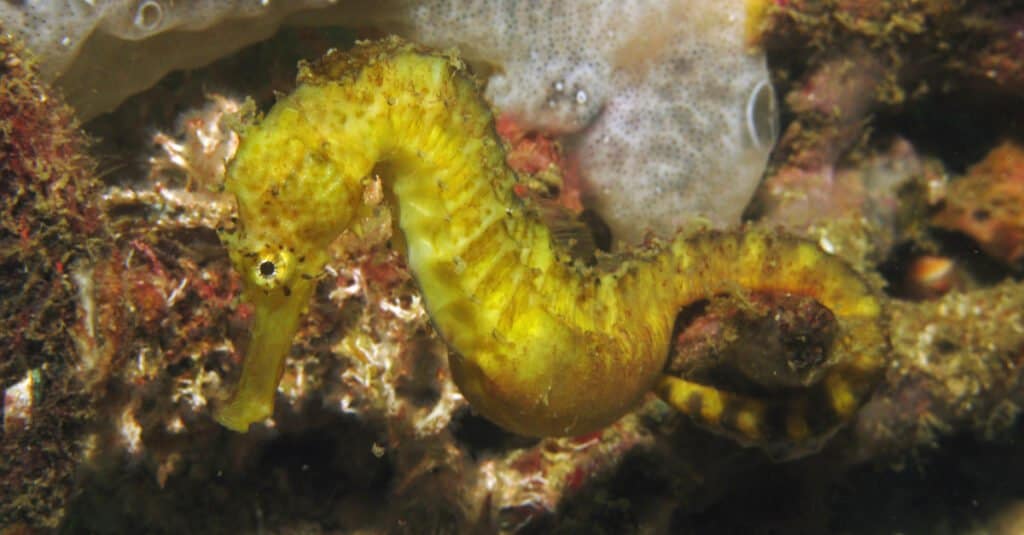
<point>275,323</point>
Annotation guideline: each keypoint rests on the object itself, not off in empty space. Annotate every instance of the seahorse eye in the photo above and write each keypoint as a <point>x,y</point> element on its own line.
<point>267,269</point>
<point>272,269</point>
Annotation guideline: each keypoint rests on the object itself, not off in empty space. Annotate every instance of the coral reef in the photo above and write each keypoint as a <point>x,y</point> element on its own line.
<point>49,227</point>
<point>893,113</point>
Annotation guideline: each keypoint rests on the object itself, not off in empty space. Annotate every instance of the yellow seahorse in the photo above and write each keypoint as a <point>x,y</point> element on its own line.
<point>541,344</point>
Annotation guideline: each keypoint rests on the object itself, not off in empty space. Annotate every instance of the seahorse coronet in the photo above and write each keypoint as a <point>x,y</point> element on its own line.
<point>541,344</point>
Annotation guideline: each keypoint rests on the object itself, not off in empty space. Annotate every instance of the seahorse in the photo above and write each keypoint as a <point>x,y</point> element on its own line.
<point>541,343</point>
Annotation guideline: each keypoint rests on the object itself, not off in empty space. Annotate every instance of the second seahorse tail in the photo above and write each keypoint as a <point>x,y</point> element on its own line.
<point>798,422</point>
<point>762,261</point>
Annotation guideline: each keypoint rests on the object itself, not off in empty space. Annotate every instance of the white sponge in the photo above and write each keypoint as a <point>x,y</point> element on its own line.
<point>130,44</point>
<point>672,116</point>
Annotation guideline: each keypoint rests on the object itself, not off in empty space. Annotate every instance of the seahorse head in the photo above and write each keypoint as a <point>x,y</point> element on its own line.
<point>298,186</point>
<point>297,189</point>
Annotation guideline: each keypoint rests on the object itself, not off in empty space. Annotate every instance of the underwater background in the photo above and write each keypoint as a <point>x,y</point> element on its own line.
<point>884,137</point>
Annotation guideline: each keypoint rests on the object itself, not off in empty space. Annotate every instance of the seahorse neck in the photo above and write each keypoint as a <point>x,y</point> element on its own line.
<point>454,194</point>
